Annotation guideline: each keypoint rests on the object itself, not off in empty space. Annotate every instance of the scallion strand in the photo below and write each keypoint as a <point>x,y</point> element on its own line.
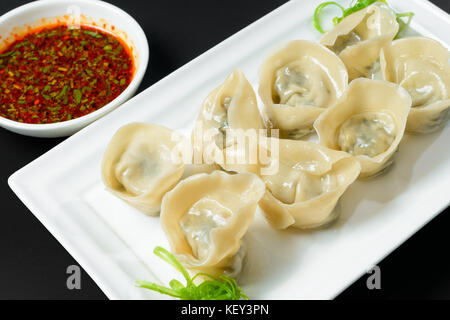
<point>212,288</point>
<point>318,12</point>
<point>356,6</point>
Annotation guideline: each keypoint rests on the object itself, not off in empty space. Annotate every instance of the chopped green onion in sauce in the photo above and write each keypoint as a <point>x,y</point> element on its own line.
<point>58,74</point>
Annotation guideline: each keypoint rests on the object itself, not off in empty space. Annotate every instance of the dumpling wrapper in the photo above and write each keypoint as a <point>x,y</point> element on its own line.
<point>205,218</point>
<point>231,106</point>
<point>421,66</point>
<point>377,106</point>
<point>138,166</point>
<point>193,169</point>
<point>359,38</point>
<point>297,83</point>
<point>305,191</point>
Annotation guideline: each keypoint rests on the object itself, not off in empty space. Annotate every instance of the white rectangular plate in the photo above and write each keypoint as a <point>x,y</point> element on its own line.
<point>114,243</point>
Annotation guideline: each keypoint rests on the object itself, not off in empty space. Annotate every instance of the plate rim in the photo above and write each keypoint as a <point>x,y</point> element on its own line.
<point>14,181</point>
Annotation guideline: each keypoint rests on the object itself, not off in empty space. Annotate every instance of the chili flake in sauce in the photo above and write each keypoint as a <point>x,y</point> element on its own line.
<point>58,74</point>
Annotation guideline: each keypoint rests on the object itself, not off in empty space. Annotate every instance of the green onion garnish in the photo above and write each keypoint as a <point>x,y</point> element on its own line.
<point>357,6</point>
<point>318,12</point>
<point>403,25</point>
<point>214,288</point>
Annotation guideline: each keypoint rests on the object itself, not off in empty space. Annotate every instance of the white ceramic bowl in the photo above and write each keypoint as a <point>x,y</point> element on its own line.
<point>93,12</point>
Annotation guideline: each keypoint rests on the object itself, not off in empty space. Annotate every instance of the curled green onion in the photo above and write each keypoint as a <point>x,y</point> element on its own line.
<point>318,12</point>
<point>213,288</point>
<point>355,6</point>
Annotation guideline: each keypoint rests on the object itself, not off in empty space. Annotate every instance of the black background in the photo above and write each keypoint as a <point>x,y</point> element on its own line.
<point>33,264</point>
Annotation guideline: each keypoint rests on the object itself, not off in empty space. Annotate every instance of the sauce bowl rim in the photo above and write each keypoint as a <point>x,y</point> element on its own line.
<point>71,126</point>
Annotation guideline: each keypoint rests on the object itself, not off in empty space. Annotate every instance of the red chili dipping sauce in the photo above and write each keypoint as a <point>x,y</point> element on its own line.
<point>57,74</point>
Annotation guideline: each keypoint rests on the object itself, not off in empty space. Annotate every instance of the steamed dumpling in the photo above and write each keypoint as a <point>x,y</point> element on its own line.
<point>205,218</point>
<point>304,181</point>
<point>421,66</point>
<point>359,38</point>
<point>368,122</point>
<point>305,191</point>
<point>138,165</point>
<point>231,106</point>
<point>297,83</point>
